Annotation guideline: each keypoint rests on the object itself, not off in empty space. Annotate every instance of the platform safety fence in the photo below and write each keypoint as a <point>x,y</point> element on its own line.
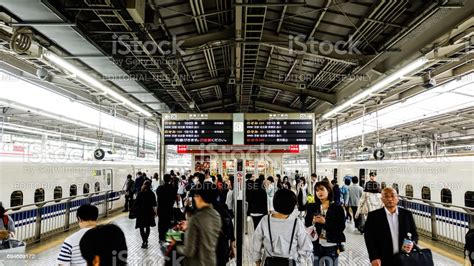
<point>38,221</point>
<point>441,222</point>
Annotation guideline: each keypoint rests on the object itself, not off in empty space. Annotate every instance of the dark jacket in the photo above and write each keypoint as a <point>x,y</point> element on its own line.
<point>258,202</point>
<point>335,221</point>
<point>226,235</point>
<point>377,234</point>
<point>139,183</point>
<point>337,194</point>
<point>166,195</point>
<point>200,240</point>
<point>144,211</point>
<point>130,187</point>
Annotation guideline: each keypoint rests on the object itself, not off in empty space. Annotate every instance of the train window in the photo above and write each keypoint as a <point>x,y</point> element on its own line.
<point>16,198</point>
<point>97,187</point>
<point>426,193</point>
<point>469,199</point>
<point>384,185</point>
<point>72,190</point>
<point>109,179</point>
<point>85,189</point>
<point>39,195</point>
<point>446,196</point>
<point>58,193</point>
<point>395,186</point>
<point>409,191</point>
<point>362,177</point>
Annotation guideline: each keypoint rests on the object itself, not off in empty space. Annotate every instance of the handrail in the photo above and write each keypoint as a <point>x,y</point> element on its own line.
<point>54,216</point>
<point>432,203</point>
<point>443,222</point>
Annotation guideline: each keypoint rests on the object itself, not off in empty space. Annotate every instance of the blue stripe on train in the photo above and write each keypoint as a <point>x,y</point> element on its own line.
<point>29,216</point>
<point>442,215</point>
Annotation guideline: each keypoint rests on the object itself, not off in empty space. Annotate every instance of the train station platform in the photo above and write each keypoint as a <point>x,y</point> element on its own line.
<point>355,254</point>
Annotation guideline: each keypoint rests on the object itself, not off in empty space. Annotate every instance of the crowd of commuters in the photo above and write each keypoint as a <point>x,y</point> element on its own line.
<point>291,226</point>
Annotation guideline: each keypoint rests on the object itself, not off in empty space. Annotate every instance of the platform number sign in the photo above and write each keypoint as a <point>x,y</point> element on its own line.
<point>379,154</point>
<point>99,154</point>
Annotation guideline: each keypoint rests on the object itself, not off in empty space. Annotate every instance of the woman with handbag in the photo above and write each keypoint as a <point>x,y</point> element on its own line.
<point>284,239</point>
<point>328,218</point>
<point>370,200</point>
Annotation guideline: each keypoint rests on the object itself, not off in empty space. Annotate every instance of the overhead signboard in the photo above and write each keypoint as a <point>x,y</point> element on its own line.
<point>273,129</point>
<point>196,129</point>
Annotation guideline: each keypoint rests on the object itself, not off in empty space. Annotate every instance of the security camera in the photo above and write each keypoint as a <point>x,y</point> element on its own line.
<point>42,73</point>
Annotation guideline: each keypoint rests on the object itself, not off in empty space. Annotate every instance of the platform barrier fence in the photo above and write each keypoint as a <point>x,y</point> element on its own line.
<point>36,222</point>
<point>442,222</point>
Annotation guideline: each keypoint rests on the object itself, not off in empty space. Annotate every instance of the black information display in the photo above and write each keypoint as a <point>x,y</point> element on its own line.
<point>195,132</point>
<point>279,131</point>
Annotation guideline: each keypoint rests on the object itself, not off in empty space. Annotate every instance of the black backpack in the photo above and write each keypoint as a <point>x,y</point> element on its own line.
<point>469,247</point>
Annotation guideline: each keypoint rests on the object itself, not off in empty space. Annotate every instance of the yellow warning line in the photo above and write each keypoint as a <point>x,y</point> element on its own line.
<point>442,252</point>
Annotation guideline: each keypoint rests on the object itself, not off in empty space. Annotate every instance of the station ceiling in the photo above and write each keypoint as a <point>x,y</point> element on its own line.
<point>249,56</point>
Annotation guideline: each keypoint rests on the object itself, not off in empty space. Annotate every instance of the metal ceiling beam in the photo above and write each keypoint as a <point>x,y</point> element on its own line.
<point>211,38</point>
<point>330,98</point>
<point>217,103</point>
<point>320,18</point>
<point>268,61</point>
<point>282,17</point>
<point>238,49</point>
<point>275,107</point>
<point>446,127</point>
<point>204,84</point>
<point>312,50</point>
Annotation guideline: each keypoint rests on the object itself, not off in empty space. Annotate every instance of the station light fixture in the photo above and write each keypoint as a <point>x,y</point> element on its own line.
<point>377,87</point>
<point>93,82</point>
<point>29,130</point>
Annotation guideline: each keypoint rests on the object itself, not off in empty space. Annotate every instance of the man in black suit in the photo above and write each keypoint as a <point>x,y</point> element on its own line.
<point>166,197</point>
<point>386,229</point>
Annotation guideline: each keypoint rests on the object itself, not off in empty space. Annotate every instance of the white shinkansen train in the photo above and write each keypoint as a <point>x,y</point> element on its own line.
<point>441,179</point>
<point>24,183</point>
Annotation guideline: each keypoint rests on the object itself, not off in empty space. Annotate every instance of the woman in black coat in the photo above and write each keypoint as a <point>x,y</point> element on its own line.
<point>145,208</point>
<point>329,220</point>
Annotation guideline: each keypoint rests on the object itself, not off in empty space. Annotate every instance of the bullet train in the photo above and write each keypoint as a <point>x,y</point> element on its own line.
<point>441,179</point>
<point>27,183</point>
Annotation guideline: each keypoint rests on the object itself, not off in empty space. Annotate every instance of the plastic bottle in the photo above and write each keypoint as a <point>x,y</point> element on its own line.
<point>407,241</point>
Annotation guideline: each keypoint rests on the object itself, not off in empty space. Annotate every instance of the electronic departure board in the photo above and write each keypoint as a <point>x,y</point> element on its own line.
<point>284,131</point>
<point>195,132</point>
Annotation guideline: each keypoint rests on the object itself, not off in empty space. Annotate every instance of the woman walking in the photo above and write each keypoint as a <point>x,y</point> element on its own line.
<point>329,220</point>
<point>146,212</point>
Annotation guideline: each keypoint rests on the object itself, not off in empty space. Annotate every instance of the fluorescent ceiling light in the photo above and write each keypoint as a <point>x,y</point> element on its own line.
<point>377,87</point>
<point>22,95</point>
<point>449,97</point>
<point>29,130</point>
<point>93,82</point>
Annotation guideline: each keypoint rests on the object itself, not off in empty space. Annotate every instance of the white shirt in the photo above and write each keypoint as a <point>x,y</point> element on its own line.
<point>229,201</point>
<point>394,229</point>
<point>70,253</point>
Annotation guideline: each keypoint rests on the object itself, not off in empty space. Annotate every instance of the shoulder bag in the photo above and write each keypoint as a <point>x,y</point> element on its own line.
<point>280,261</point>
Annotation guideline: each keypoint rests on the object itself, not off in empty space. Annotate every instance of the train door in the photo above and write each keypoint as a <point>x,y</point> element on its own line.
<point>362,177</point>
<point>108,185</point>
<point>108,179</point>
